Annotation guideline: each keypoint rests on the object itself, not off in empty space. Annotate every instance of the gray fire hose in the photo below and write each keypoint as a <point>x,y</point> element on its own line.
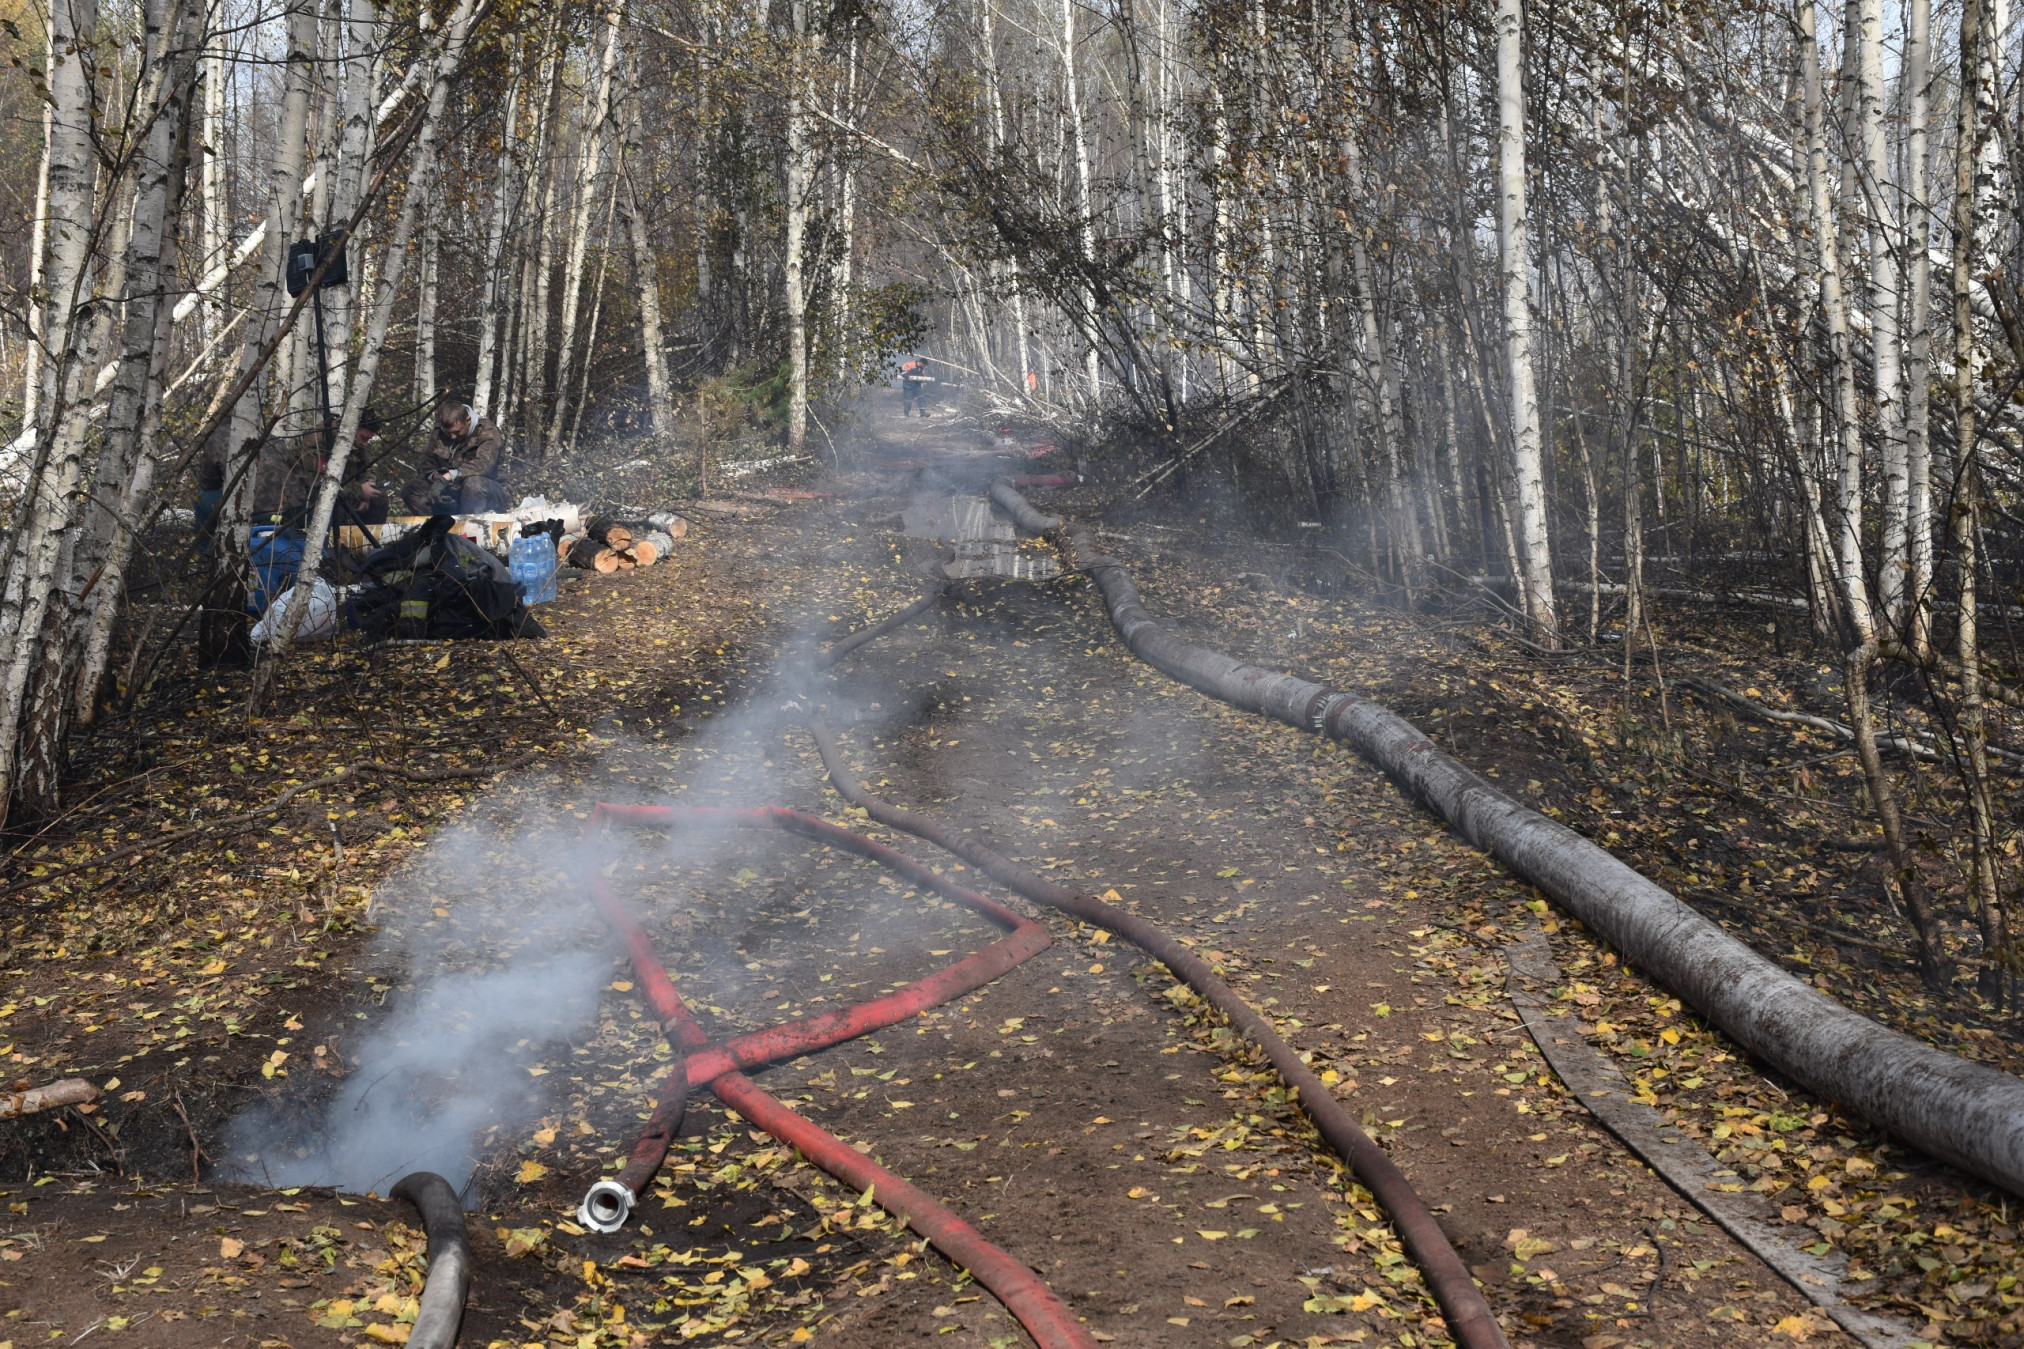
<point>1956,1110</point>
<point>449,1281</point>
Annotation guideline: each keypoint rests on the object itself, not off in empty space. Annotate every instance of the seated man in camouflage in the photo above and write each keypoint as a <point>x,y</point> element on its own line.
<point>463,467</point>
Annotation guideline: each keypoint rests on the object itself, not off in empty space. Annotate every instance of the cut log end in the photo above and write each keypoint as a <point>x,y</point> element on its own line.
<point>70,1091</point>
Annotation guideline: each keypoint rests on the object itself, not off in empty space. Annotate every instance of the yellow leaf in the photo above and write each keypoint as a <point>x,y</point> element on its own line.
<point>394,1334</point>
<point>111,1084</point>
<point>622,985</point>
<point>801,1335</point>
<point>1364,1301</point>
<point>230,1248</point>
<point>1210,1234</point>
<point>444,663</point>
<point>98,1238</point>
<point>1670,1036</point>
<point>531,1171</point>
<point>1798,1327</point>
<point>215,967</point>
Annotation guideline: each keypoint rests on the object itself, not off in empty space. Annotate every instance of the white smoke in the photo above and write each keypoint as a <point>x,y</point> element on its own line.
<point>457,1060</point>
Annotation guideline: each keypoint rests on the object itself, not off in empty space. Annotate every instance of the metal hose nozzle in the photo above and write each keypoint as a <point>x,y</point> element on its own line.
<point>606,1206</point>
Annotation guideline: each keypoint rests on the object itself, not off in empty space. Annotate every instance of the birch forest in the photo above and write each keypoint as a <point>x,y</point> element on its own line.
<point>1580,310</point>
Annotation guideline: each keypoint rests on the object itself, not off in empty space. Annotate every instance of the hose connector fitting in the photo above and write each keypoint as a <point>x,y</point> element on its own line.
<point>606,1206</point>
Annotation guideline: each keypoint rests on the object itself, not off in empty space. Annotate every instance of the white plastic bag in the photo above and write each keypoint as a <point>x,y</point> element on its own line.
<point>318,625</point>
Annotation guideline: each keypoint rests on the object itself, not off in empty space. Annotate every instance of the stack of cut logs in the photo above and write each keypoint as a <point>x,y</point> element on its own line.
<point>607,546</point>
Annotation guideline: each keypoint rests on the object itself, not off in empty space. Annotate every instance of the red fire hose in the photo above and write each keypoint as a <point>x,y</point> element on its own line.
<point>1024,1293</point>
<point>1468,1314</point>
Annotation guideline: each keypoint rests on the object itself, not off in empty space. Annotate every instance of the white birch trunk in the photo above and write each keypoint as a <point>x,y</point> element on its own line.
<point>994,94</point>
<point>357,132</point>
<point>1864,44</point>
<point>125,479</point>
<point>41,635</point>
<point>800,192</point>
<point>1918,524</point>
<point>38,245</point>
<point>425,310</point>
<point>1513,234</point>
<point>646,272</point>
<point>534,387</point>
<point>70,180</point>
<point>217,235</point>
<point>420,188</point>
<point>1382,375</point>
<point>496,288</point>
<point>1846,514</point>
<point>844,160</point>
<point>1078,134</point>
<point>269,295</point>
<point>588,178</point>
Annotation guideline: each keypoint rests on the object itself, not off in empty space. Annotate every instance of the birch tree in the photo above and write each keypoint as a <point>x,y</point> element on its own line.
<point>1513,239</point>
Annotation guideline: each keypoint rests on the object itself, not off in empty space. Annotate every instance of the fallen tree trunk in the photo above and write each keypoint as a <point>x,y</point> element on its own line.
<point>1901,744</point>
<point>1961,1112</point>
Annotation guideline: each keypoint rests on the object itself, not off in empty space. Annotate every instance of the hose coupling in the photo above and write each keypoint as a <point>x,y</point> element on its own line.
<point>606,1207</point>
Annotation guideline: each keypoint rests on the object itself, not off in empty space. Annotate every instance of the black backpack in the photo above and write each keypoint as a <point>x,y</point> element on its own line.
<point>435,584</point>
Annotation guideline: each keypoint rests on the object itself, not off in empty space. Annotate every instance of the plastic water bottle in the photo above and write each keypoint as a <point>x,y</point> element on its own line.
<point>532,563</point>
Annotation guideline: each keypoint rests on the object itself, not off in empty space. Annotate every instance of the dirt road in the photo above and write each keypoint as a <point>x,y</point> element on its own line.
<point>1082,1111</point>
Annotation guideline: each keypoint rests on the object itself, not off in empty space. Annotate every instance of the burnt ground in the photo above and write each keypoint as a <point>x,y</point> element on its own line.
<point>1082,1110</point>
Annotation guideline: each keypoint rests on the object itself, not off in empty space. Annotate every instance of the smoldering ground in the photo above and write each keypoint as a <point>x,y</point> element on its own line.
<point>491,967</point>
<point>493,963</point>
